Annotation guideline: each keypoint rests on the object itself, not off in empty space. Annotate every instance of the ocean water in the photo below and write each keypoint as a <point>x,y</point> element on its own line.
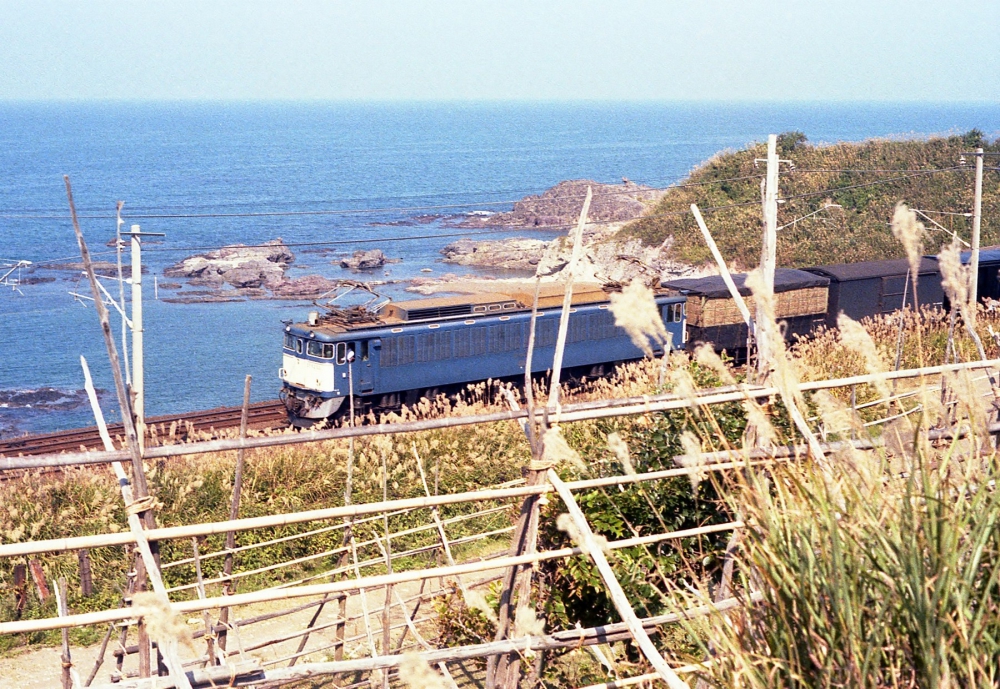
<point>211,174</point>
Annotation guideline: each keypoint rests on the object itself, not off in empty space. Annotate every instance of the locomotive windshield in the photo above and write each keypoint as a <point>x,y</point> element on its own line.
<point>322,350</point>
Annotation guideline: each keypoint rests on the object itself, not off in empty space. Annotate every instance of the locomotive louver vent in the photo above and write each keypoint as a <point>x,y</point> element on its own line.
<point>438,312</point>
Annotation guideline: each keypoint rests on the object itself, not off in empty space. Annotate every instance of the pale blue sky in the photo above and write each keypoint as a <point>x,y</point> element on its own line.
<point>469,49</point>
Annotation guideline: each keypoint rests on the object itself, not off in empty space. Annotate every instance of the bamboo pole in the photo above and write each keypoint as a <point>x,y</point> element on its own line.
<point>234,509</point>
<point>570,412</point>
<point>146,555</point>
<point>387,550</point>
<point>249,523</point>
<point>612,587</point>
<point>374,581</point>
<point>209,635</point>
<point>564,316</point>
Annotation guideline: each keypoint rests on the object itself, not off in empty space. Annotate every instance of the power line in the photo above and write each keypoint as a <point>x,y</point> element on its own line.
<point>31,214</point>
<point>869,184</point>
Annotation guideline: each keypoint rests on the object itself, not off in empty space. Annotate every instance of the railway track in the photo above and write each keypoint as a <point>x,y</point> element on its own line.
<point>270,414</point>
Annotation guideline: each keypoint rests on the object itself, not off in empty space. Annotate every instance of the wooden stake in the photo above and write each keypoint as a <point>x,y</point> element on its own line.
<point>38,575</point>
<point>67,663</point>
<point>86,576</point>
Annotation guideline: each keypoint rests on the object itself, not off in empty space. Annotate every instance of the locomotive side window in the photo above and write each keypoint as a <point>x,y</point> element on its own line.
<point>298,346</point>
<point>341,352</point>
<point>364,350</point>
<point>289,341</point>
<point>677,312</point>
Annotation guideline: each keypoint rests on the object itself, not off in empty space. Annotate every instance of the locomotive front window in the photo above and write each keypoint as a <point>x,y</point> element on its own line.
<point>298,346</point>
<point>341,352</point>
<point>289,341</point>
<point>321,350</point>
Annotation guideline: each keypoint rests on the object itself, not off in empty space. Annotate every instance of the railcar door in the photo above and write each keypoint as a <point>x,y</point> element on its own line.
<point>893,290</point>
<point>364,377</point>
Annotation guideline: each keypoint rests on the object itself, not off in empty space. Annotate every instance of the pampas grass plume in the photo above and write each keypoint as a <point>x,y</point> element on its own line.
<point>910,234</point>
<point>417,674</point>
<point>620,450</point>
<point>636,312</point>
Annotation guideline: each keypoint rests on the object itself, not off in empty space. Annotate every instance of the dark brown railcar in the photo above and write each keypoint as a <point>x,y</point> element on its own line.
<point>871,288</point>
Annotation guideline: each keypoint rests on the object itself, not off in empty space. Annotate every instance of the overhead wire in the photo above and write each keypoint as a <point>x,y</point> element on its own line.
<point>639,189</point>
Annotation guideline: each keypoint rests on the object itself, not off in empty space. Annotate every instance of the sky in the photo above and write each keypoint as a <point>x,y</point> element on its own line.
<point>862,50</point>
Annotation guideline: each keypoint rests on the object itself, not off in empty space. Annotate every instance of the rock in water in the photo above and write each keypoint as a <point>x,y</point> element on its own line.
<point>308,287</point>
<point>522,254</point>
<point>560,205</point>
<point>365,260</point>
<point>238,265</point>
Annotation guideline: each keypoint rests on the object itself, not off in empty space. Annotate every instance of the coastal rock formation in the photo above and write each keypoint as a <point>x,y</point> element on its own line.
<point>560,205</point>
<point>606,258</point>
<point>512,254</point>
<point>46,398</point>
<point>237,265</point>
<point>105,268</point>
<point>308,287</point>
<point>366,260</point>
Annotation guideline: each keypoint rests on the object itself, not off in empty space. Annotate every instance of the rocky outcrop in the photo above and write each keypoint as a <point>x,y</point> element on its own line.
<point>308,287</point>
<point>105,268</point>
<point>237,265</point>
<point>512,254</point>
<point>605,259</point>
<point>560,205</point>
<point>45,398</point>
<point>366,260</point>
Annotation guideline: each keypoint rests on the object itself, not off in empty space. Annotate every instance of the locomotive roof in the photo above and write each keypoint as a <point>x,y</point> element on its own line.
<point>845,272</point>
<point>713,286</point>
<point>481,303</point>
<point>989,254</point>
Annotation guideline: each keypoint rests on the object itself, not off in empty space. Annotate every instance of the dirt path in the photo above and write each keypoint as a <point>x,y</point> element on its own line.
<point>40,668</point>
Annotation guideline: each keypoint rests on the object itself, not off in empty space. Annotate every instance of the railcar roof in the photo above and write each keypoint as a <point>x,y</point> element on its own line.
<point>989,254</point>
<point>485,303</point>
<point>845,272</point>
<point>713,286</point>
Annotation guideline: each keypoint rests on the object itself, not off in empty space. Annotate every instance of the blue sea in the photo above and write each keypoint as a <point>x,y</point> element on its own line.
<point>203,167</point>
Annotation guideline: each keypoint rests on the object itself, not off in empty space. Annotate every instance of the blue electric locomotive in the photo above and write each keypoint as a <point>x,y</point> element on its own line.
<point>407,350</point>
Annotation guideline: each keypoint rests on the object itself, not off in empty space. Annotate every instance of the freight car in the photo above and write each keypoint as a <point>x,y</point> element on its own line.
<point>380,359</point>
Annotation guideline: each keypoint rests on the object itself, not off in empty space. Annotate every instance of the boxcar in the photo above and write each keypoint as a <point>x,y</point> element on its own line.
<point>867,289</point>
<point>712,316</point>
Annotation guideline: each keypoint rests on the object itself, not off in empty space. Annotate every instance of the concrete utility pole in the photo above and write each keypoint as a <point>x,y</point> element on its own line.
<point>768,256</point>
<point>977,219</point>
<point>138,378</point>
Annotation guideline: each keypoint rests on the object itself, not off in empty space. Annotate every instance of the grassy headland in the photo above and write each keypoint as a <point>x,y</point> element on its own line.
<point>906,169</point>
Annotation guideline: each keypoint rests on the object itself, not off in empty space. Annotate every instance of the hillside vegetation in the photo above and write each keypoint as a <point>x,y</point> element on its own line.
<point>867,179</point>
